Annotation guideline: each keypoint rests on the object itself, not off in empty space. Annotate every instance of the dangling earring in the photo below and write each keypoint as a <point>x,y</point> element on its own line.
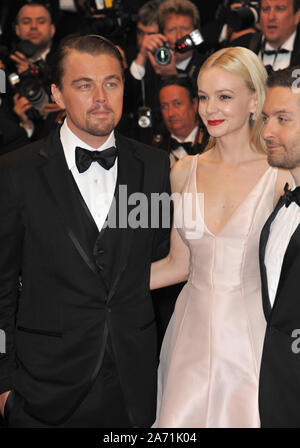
<point>253,116</point>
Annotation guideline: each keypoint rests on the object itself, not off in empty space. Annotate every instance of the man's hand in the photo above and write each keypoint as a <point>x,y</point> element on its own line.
<point>163,70</point>
<point>22,63</point>
<point>48,108</point>
<point>3,398</point>
<point>149,44</point>
<point>21,105</point>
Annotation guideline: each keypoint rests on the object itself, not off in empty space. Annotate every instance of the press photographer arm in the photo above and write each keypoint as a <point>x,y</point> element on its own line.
<point>149,44</point>
<point>21,105</point>
<point>163,70</point>
<point>22,62</point>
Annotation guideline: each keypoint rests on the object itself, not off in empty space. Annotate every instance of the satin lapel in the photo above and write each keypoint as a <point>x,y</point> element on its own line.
<point>262,250</point>
<point>291,254</point>
<point>58,182</point>
<point>114,242</point>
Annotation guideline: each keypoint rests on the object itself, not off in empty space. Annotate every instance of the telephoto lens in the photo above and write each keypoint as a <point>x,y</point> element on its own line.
<point>163,55</point>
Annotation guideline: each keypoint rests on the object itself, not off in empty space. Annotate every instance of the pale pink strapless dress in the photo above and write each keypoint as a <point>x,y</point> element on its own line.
<point>210,357</point>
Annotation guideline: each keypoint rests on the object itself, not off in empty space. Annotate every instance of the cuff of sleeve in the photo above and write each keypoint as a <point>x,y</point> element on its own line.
<point>137,71</point>
<point>29,131</point>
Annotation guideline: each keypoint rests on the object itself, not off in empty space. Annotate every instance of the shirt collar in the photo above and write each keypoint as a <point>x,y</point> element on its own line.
<point>42,55</point>
<point>182,65</point>
<point>69,142</point>
<point>287,45</point>
<point>190,138</point>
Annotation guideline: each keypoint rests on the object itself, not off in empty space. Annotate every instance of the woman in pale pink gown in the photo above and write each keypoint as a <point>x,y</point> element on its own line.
<point>210,358</point>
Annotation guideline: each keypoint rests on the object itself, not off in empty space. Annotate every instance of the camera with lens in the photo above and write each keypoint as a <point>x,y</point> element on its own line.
<point>107,18</point>
<point>246,16</point>
<point>163,54</point>
<point>31,83</point>
<point>144,117</point>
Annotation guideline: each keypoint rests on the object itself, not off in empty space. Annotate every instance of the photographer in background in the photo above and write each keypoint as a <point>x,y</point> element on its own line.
<point>34,26</point>
<point>240,20</point>
<point>278,43</point>
<point>176,18</point>
<point>183,134</point>
<point>147,22</point>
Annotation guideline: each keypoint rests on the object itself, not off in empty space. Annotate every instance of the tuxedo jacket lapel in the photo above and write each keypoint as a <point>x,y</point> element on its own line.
<point>112,246</point>
<point>262,250</point>
<point>58,180</point>
<point>106,253</point>
<point>291,254</point>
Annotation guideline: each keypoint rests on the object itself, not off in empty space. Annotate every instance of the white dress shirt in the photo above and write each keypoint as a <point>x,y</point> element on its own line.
<point>281,231</point>
<point>97,185</point>
<point>180,152</point>
<point>281,60</point>
<point>138,71</point>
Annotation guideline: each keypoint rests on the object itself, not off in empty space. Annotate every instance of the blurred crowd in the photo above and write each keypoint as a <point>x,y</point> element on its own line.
<point>163,44</point>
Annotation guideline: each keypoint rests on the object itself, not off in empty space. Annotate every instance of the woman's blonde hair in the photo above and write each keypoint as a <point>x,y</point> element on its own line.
<point>246,64</point>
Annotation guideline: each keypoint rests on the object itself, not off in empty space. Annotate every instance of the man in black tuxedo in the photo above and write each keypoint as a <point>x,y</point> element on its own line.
<point>183,132</point>
<point>279,393</point>
<point>34,23</point>
<point>278,43</point>
<point>81,338</point>
<point>176,18</point>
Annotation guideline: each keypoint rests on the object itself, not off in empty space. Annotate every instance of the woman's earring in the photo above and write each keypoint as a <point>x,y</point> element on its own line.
<point>253,116</point>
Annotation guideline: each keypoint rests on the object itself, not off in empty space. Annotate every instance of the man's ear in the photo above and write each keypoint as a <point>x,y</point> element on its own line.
<point>297,17</point>
<point>57,95</point>
<point>53,29</point>
<point>17,31</point>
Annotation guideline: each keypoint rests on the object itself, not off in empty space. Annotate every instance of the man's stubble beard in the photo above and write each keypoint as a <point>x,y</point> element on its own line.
<point>42,46</point>
<point>283,162</point>
<point>100,129</point>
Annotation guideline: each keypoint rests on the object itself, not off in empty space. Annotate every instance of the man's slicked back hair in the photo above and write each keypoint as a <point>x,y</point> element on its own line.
<point>89,43</point>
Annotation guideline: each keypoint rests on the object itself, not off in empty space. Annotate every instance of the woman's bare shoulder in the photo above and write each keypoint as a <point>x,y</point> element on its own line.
<point>179,173</point>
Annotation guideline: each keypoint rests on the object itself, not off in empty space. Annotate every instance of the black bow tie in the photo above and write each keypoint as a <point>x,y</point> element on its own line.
<point>278,51</point>
<point>174,144</point>
<point>105,158</point>
<point>290,196</point>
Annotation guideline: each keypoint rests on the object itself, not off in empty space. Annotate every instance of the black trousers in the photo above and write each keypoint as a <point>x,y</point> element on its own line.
<point>103,407</point>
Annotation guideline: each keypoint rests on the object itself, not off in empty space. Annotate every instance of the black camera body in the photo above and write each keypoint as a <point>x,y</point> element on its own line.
<point>107,18</point>
<point>163,54</point>
<point>247,16</point>
<point>31,83</point>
